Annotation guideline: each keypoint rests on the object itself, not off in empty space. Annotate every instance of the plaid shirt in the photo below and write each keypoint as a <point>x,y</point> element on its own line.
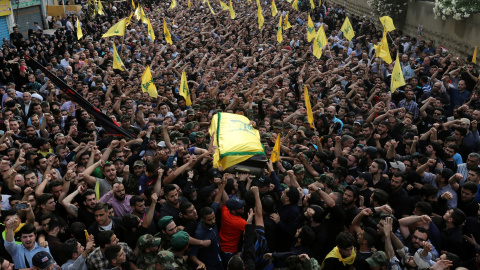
<point>97,261</point>
<point>411,107</point>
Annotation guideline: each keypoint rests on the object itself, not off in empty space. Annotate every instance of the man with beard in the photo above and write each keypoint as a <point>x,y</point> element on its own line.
<point>171,207</point>
<point>56,229</point>
<point>82,214</point>
<point>382,137</point>
<point>108,170</point>
<point>409,104</point>
<point>361,182</point>
<point>473,160</point>
<point>138,208</point>
<point>131,186</point>
<point>448,154</point>
<point>397,195</point>
<point>376,169</point>
<point>350,197</point>
<point>31,136</point>
<point>118,199</point>
<point>188,218</point>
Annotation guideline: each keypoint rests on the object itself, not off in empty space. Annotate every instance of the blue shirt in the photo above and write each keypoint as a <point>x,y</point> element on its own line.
<point>19,253</point>
<point>210,255</point>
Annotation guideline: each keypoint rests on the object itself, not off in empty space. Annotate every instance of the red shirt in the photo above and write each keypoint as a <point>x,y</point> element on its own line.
<point>231,231</point>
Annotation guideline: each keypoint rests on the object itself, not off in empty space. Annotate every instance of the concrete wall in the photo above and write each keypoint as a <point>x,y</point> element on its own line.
<point>460,37</point>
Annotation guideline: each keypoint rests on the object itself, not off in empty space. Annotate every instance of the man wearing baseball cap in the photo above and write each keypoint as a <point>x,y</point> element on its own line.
<point>148,247</point>
<point>43,261</point>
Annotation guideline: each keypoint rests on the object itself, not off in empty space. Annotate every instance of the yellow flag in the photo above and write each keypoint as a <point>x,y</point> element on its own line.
<point>382,50</point>
<point>173,4</point>
<point>133,4</point>
<point>310,29</point>
<point>129,19</point>
<point>279,30</point>
<point>275,156</point>
<point>261,20</point>
<point>387,23</point>
<point>397,76</point>
<point>189,4</point>
<point>210,7</point>
<point>117,30</point>
<point>117,61</point>
<point>308,107</point>
<point>286,24</point>
<point>319,42</point>
<point>138,14</point>
<point>289,1</point>
<point>97,190</point>
<point>143,16</point>
<point>312,5</point>
<point>232,12</point>
<point>223,5</point>
<point>173,22</point>
<point>474,57</point>
<point>147,83</point>
<point>184,91</point>
<point>274,9</point>
<point>295,5</point>
<point>80,33</point>
<point>100,8</point>
<point>150,31</point>
<point>235,139</point>
<point>168,37</point>
<point>347,29</point>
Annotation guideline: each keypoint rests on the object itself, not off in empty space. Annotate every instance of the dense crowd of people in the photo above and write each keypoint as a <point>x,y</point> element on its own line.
<point>386,179</point>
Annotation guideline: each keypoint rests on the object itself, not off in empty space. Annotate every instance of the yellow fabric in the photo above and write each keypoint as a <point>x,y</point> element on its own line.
<point>143,16</point>
<point>279,30</point>
<point>347,29</point>
<point>147,83</point>
<point>236,140</point>
<point>100,8</point>
<point>86,232</point>
<point>295,5</point>
<point>133,4</point>
<point>117,30</point>
<point>168,37</point>
<point>150,31</point>
<point>4,233</point>
<point>129,19</point>
<point>335,253</point>
<point>474,57</point>
<point>387,23</point>
<point>173,4</point>
<point>397,76</point>
<point>286,24</point>
<point>117,61</point>
<point>138,14</point>
<point>319,42</point>
<point>210,7</point>
<point>223,5</point>
<point>274,9</point>
<point>312,5</point>
<point>382,50</point>
<point>97,190</point>
<point>261,20</point>
<point>310,29</point>
<point>276,150</point>
<point>184,91</point>
<point>189,4</point>
<point>79,30</point>
<point>308,107</point>
<point>232,12</point>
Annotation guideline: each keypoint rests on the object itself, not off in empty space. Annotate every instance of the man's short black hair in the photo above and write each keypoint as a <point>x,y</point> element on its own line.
<point>345,240</point>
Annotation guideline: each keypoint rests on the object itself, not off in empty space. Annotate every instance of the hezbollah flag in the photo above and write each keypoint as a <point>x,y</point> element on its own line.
<point>184,91</point>
<point>232,12</point>
<point>312,5</point>
<point>310,29</point>
<point>308,107</point>
<point>117,61</point>
<point>261,20</point>
<point>147,83</point>
<point>236,140</point>
<point>150,31</point>
<point>474,57</point>
<point>275,156</point>
<point>347,29</point>
<point>223,5</point>
<point>286,24</point>
<point>79,30</point>
<point>382,50</point>
<point>279,30</point>
<point>387,23</point>
<point>274,9</point>
<point>319,42</point>
<point>397,76</point>
<point>295,5</point>
<point>173,4</point>
<point>100,8</point>
<point>210,7</point>
<point>111,126</point>
<point>117,30</point>
<point>168,37</point>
